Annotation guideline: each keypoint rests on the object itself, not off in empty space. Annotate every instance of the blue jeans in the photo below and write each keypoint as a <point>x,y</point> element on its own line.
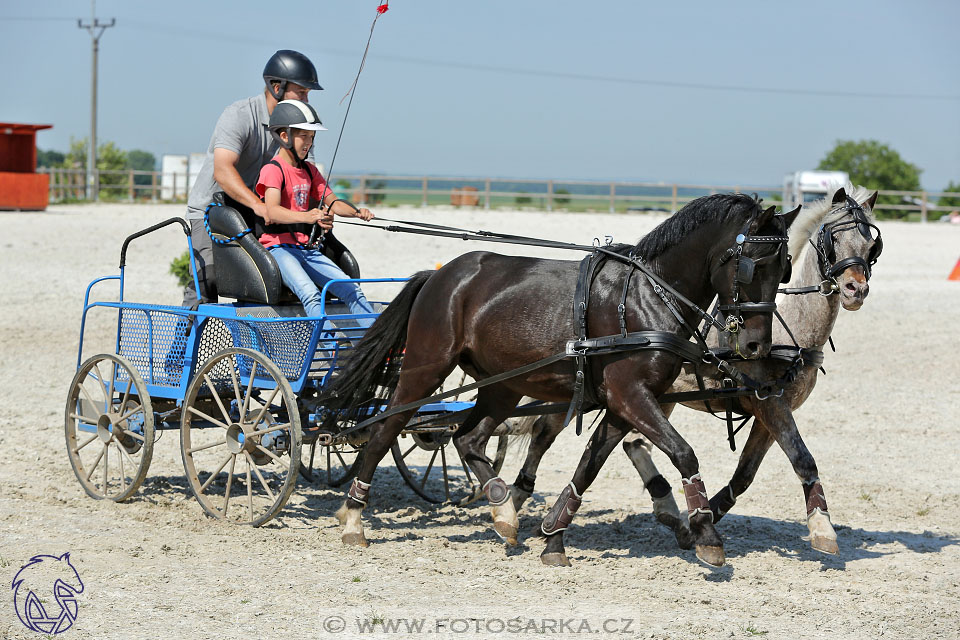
<point>305,271</point>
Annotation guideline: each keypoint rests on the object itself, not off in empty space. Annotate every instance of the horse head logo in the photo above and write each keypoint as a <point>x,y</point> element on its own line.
<point>33,586</point>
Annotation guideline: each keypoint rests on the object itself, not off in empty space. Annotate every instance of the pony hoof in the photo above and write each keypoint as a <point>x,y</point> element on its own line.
<point>555,559</point>
<point>712,556</point>
<point>685,537</point>
<point>354,540</point>
<point>824,545</point>
<point>507,532</point>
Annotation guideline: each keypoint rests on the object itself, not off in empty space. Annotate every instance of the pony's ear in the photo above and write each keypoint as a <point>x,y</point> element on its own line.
<point>763,219</point>
<point>839,196</point>
<point>790,216</point>
<point>872,200</point>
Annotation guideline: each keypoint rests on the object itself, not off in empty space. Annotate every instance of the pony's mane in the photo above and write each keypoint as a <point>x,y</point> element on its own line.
<point>719,207</point>
<point>821,212</point>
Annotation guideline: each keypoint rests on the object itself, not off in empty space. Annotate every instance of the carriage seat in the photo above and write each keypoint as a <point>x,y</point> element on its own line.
<point>244,268</point>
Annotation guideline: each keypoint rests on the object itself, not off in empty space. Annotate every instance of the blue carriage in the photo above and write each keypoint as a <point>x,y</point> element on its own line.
<point>243,383</point>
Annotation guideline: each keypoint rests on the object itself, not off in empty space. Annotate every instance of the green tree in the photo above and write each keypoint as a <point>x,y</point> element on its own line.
<point>109,158</point>
<point>50,158</point>
<point>876,166</point>
<point>140,160</point>
<point>950,201</point>
<point>562,197</point>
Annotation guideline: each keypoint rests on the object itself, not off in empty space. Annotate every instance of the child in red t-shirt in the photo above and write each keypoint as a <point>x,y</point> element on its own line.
<point>289,185</point>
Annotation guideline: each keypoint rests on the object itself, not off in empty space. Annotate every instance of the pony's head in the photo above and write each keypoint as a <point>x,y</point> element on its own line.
<point>746,271</point>
<point>741,249</point>
<point>842,231</point>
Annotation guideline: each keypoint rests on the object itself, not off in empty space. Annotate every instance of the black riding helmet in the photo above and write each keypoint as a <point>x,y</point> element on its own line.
<point>289,66</point>
<point>293,114</point>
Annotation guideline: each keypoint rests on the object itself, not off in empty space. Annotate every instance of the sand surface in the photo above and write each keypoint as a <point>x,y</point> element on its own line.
<point>882,426</point>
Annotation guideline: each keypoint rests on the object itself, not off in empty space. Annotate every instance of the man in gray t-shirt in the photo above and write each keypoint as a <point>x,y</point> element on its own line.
<point>239,147</point>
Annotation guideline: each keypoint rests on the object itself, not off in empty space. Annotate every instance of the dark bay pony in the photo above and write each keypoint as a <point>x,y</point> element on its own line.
<point>490,314</point>
<point>835,243</point>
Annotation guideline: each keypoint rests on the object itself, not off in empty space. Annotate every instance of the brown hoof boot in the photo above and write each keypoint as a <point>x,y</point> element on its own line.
<point>554,559</point>
<point>506,531</point>
<point>354,540</point>
<point>712,556</point>
<point>824,545</point>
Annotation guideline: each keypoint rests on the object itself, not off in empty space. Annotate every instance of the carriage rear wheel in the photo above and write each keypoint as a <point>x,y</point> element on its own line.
<point>240,437</point>
<point>431,465</point>
<point>109,427</point>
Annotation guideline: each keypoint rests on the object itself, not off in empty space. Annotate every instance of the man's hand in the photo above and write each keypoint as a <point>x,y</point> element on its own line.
<point>365,214</point>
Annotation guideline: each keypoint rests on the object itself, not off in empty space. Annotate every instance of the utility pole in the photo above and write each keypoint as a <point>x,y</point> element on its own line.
<point>96,29</point>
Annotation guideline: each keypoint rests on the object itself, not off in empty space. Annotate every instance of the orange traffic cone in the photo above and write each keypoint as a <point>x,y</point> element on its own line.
<point>955,274</point>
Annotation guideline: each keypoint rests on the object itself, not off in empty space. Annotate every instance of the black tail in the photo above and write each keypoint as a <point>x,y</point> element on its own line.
<point>371,372</point>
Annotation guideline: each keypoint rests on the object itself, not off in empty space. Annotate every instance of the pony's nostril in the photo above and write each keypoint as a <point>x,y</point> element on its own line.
<point>753,348</point>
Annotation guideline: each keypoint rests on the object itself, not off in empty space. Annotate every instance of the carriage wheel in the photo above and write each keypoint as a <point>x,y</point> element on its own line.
<point>109,427</point>
<point>431,465</point>
<point>240,437</point>
<point>332,465</point>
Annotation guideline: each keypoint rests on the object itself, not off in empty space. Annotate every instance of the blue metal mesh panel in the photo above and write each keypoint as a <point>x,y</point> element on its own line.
<point>169,334</point>
<point>285,343</point>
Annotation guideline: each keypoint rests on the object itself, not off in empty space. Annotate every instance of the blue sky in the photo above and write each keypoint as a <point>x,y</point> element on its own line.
<point>694,92</point>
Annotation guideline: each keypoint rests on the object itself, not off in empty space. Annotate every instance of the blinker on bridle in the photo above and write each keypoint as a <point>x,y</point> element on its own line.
<point>744,270</point>
<point>830,267</point>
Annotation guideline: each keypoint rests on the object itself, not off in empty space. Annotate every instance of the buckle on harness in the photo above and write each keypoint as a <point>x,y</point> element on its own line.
<point>573,350</point>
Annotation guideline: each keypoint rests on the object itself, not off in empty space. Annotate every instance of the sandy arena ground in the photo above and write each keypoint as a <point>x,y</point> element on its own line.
<point>882,426</point>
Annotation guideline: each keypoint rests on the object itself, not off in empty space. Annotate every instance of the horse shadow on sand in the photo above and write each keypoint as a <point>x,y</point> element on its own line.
<point>396,514</point>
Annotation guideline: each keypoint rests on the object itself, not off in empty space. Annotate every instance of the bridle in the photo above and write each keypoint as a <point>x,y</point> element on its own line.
<point>744,270</point>
<point>830,267</point>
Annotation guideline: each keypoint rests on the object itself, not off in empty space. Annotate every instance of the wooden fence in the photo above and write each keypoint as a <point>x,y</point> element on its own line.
<point>490,193</point>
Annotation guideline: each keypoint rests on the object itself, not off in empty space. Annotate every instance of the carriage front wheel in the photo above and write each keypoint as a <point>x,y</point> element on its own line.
<point>240,437</point>
<point>109,427</point>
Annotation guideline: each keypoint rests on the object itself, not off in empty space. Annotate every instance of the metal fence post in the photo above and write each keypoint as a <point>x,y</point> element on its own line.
<point>673,199</point>
<point>613,195</point>
<point>923,207</point>
<point>486,194</point>
<point>549,195</point>
<point>425,194</point>
<point>153,187</point>
<point>130,186</point>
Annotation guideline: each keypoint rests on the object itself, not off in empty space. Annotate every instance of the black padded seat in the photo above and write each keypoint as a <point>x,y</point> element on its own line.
<point>244,268</point>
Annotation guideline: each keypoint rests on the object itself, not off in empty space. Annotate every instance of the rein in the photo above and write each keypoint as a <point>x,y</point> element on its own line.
<point>583,347</point>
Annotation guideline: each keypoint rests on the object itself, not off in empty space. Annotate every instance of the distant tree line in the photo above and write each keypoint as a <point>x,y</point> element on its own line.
<point>109,158</point>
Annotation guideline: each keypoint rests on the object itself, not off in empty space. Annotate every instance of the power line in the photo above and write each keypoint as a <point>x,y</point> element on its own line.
<point>540,73</point>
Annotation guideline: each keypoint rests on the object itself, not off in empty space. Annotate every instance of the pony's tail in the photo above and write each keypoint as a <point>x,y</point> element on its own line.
<point>371,369</point>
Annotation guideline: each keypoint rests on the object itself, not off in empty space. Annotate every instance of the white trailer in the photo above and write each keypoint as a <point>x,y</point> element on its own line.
<point>806,186</point>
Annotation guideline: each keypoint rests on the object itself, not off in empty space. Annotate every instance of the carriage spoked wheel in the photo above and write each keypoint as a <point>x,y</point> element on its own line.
<point>331,465</point>
<point>240,437</point>
<point>431,465</point>
<point>109,427</point>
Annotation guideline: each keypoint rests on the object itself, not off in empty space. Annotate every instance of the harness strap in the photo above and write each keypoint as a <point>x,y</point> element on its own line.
<point>583,383</point>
